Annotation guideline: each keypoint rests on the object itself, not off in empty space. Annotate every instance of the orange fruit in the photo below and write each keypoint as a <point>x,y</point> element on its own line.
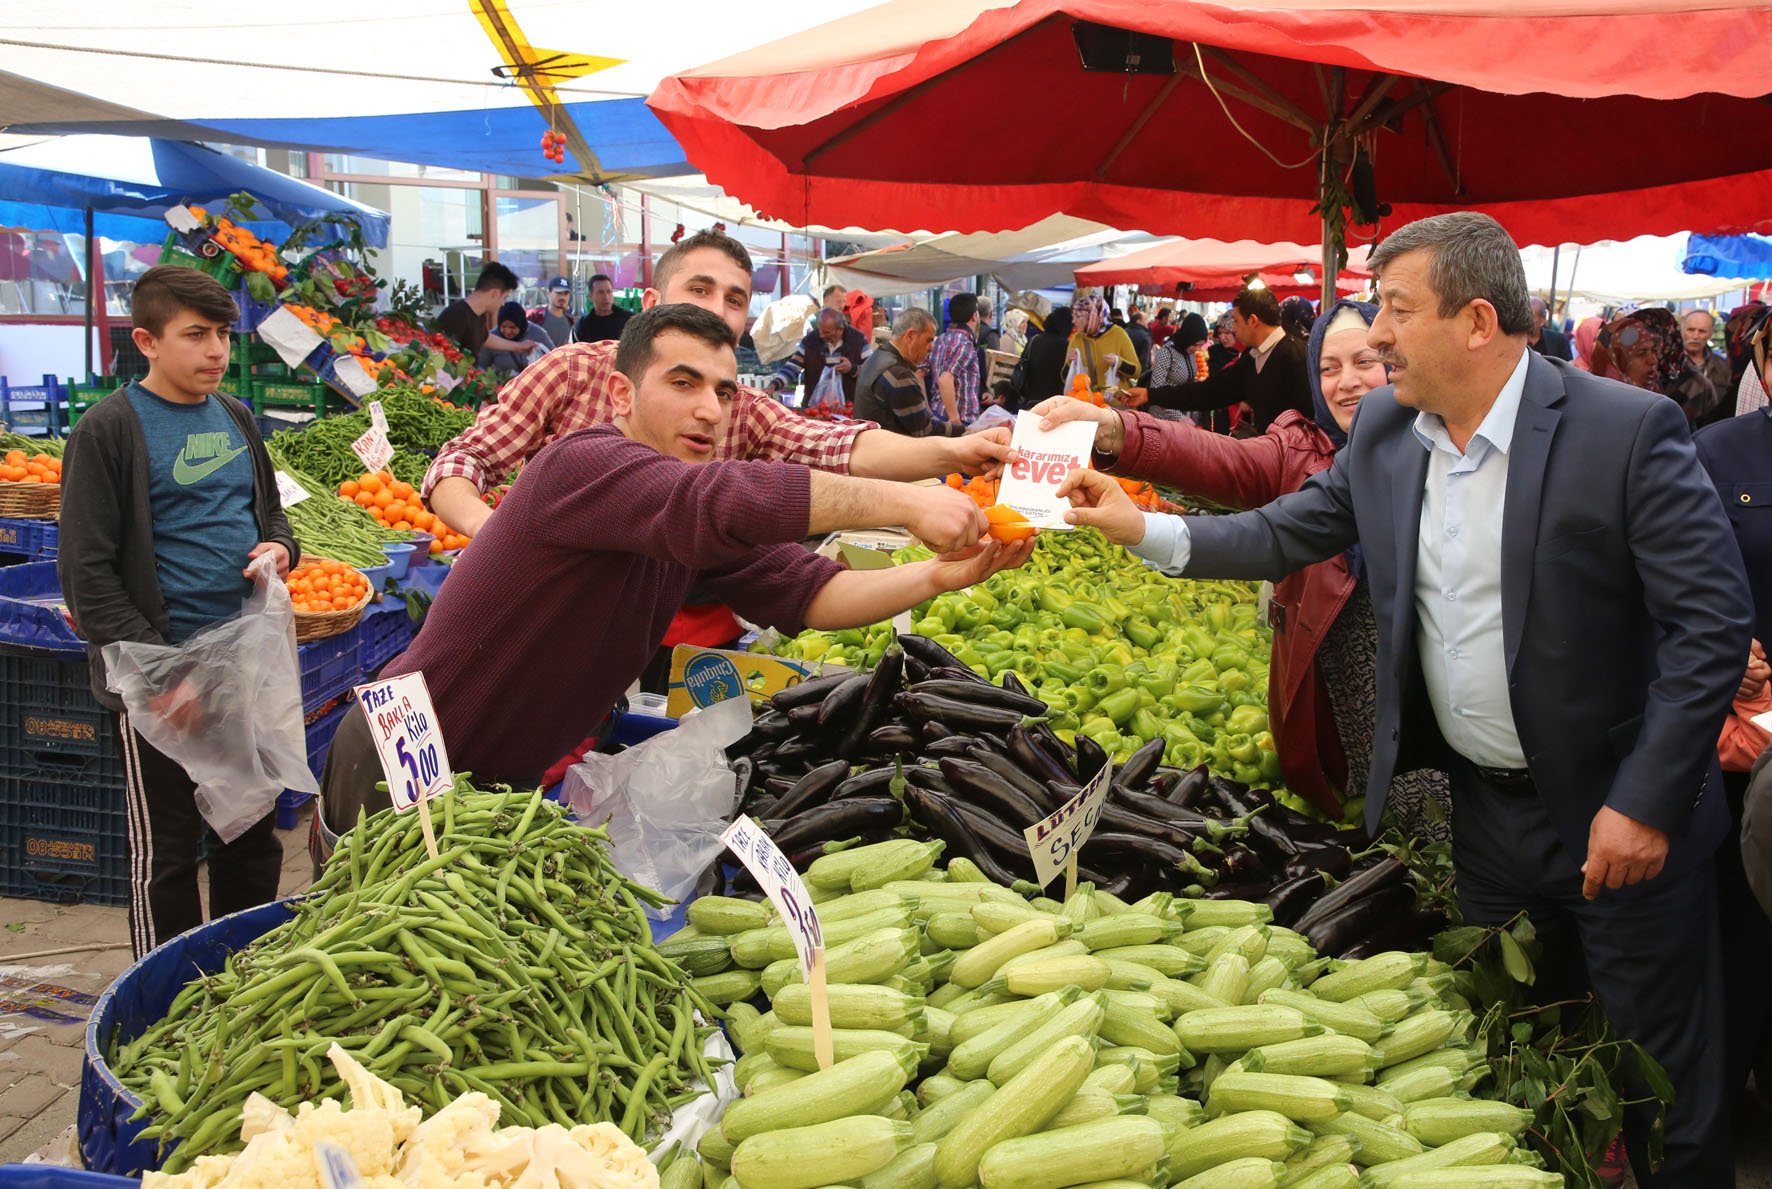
<point>349,489</point>
<point>436,546</point>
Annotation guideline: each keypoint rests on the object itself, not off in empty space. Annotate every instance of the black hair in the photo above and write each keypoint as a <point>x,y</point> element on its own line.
<point>719,241</point>
<point>602,276</point>
<point>496,276</point>
<point>1260,304</point>
<point>633,354</point>
<point>961,308</point>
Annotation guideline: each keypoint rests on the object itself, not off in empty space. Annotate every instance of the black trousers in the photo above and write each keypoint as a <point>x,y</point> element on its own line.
<point>1651,952</point>
<point>166,832</point>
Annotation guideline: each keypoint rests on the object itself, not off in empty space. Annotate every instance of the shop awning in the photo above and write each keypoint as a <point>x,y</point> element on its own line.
<point>1212,270</point>
<point>1042,256</point>
<point>1729,255</point>
<point>1544,113</point>
<point>128,183</point>
<point>403,80</point>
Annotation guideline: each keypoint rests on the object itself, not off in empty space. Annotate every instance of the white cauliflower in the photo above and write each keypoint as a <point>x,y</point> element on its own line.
<point>260,1116</point>
<point>451,1140</point>
<point>275,1158</point>
<point>370,1093</point>
<point>366,1136</point>
<point>207,1172</point>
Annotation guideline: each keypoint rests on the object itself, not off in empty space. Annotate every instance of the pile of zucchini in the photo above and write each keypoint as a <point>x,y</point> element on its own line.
<point>985,1038</point>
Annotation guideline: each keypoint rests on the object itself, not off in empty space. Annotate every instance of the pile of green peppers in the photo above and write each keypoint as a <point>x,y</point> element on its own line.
<point>1120,652</point>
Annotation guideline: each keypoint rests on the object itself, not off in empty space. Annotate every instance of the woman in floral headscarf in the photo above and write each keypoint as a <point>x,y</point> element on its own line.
<point>1094,338</point>
<point>1647,350</point>
<point>1587,333</point>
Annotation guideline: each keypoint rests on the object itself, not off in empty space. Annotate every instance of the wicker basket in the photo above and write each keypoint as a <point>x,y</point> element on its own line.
<point>31,501</point>
<point>319,625</point>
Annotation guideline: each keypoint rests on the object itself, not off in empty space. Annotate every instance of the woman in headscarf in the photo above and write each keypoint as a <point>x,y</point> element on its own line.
<point>514,324</point>
<point>1322,683</point>
<point>1587,333</point>
<point>1176,361</point>
<point>1646,349</point>
<point>1041,371</point>
<point>1015,331</point>
<point>1297,315</point>
<point>1094,337</point>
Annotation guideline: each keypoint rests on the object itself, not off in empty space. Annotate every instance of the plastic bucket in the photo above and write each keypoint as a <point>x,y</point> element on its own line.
<point>399,559</point>
<point>421,544</point>
<point>138,999</point>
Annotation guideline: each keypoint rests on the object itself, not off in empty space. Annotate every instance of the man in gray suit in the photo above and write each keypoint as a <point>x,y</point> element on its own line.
<point>1563,619</point>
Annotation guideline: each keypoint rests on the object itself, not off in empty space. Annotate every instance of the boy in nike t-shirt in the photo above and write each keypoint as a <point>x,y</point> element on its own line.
<point>168,495</point>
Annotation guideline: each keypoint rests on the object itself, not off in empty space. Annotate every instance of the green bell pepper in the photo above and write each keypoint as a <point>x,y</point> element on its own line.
<point>1146,725</point>
<point>1247,720</point>
<point>1062,672</point>
<point>1195,699</point>
<point>1106,679</point>
<point>1138,629</point>
<point>1119,706</point>
<point>1084,618</point>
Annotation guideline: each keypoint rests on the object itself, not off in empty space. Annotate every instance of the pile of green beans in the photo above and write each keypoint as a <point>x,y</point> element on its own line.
<point>518,963</point>
<point>328,526</point>
<point>416,423</point>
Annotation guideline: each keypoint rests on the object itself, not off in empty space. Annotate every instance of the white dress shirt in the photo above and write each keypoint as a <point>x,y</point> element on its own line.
<point>1267,349</point>
<point>1458,582</point>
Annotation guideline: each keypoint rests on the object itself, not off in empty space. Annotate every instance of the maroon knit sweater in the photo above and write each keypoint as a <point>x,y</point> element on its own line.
<point>566,594</point>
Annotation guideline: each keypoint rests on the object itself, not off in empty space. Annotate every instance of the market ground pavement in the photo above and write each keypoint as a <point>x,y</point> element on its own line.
<point>40,1060</point>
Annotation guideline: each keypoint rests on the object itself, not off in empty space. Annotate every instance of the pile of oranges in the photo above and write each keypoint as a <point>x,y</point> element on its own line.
<point>319,584</point>
<point>259,255</point>
<point>395,504</point>
<point>34,468</point>
<point>984,492</point>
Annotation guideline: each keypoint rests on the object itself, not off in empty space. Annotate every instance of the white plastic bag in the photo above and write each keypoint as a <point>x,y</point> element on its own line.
<point>225,705</point>
<point>667,800</point>
<point>1075,368</point>
<point>829,393</point>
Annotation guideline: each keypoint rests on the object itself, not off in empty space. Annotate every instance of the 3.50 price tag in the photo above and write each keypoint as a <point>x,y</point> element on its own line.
<point>782,884</point>
<point>373,449</point>
<point>1055,842</point>
<point>403,724</point>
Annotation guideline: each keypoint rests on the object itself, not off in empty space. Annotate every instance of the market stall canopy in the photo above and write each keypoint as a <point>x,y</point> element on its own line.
<point>128,183</point>
<point>1729,255</point>
<point>1210,118</point>
<point>1213,270</point>
<point>464,85</point>
<point>1647,268</point>
<point>693,192</point>
<point>1038,257</point>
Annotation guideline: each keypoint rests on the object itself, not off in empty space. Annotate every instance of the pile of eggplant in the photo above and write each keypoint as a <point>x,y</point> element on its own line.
<point>924,746</point>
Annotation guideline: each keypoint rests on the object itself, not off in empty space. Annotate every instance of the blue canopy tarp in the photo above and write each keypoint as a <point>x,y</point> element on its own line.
<point>1730,256</point>
<point>128,183</point>
<point>629,140</point>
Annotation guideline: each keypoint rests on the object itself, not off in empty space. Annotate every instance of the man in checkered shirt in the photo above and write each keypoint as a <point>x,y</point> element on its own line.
<point>568,389</point>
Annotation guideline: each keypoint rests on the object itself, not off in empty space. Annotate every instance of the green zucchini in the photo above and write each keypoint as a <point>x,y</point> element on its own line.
<point>1103,1148</point>
<point>860,1085</point>
<point>1021,1106</point>
<point>821,1154</point>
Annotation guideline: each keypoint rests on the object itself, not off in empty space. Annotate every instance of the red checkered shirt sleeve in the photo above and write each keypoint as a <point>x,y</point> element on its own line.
<point>531,411</point>
<point>764,428</point>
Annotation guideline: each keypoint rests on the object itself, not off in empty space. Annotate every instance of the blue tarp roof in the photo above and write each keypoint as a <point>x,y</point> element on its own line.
<point>628,139</point>
<point>129,183</point>
<point>1730,256</point>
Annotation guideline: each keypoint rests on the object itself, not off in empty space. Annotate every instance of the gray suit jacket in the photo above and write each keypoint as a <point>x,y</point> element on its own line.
<point>1625,610</point>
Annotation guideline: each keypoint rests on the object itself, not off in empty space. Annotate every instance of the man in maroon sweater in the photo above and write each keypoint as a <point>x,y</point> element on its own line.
<point>569,589</point>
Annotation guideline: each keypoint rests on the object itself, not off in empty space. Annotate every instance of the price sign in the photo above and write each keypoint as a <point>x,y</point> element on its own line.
<point>1056,841</point>
<point>377,418</point>
<point>373,449</point>
<point>408,739</point>
<point>782,884</point>
<point>289,491</point>
<point>1030,484</point>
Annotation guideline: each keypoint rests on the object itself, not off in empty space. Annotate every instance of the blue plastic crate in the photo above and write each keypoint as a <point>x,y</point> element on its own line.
<point>63,841</point>
<point>383,636</point>
<point>32,612</point>
<point>46,1176</point>
<point>329,668</point>
<point>51,725</point>
<point>320,732</point>
<point>37,410</point>
<point>289,803</point>
<point>35,539</point>
<point>252,310</point>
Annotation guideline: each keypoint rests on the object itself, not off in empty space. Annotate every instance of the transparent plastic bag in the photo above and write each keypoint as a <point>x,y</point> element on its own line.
<point>225,705</point>
<point>1076,367</point>
<point>829,393</point>
<point>666,801</point>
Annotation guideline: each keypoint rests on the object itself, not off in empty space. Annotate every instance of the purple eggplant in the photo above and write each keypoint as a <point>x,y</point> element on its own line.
<point>951,745</point>
<point>1137,771</point>
<point>928,652</point>
<point>982,694</point>
<point>883,684</point>
<point>1291,899</point>
<point>834,820</point>
<point>1357,919</point>
<point>1091,759</point>
<point>809,692</point>
<point>1033,759</point>
<point>814,788</point>
<point>1333,861</point>
<point>981,786</point>
<point>942,818</point>
<point>961,716</point>
<point>842,706</point>
<point>1017,776</point>
<point>1411,934</point>
<point>893,739</point>
<point>1378,874</point>
<point>1191,791</point>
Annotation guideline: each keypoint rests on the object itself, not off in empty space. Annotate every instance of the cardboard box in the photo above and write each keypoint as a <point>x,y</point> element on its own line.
<point>703,676</point>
